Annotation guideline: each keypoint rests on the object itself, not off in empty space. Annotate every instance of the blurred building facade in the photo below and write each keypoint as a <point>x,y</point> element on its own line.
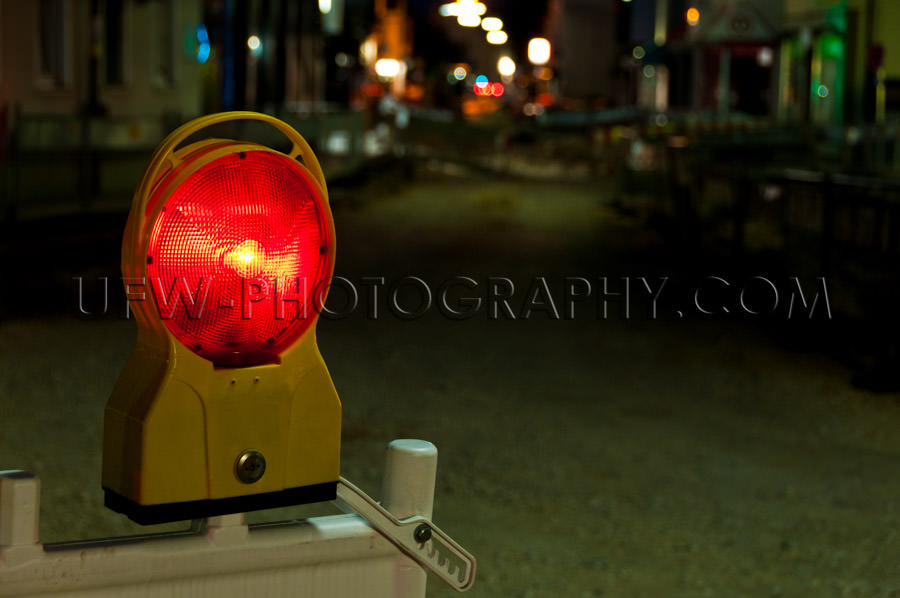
<point>87,89</point>
<point>584,36</point>
<point>114,57</point>
<point>732,47</point>
<point>711,56</point>
<point>294,55</point>
<point>839,59</point>
<point>820,62</point>
<point>128,58</point>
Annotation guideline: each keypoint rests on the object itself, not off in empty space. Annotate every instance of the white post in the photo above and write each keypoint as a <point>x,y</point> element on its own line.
<point>723,87</point>
<point>408,490</point>
<point>227,529</point>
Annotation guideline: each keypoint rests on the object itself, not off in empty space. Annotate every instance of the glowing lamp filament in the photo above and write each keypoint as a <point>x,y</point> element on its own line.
<point>247,259</point>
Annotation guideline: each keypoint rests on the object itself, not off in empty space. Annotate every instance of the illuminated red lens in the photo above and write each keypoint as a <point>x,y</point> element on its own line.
<point>237,255</point>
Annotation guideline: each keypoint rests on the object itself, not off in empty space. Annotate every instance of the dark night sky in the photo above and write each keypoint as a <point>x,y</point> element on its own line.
<point>522,19</point>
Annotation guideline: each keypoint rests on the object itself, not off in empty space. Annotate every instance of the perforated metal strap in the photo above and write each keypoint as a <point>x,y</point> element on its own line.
<point>416,536</point>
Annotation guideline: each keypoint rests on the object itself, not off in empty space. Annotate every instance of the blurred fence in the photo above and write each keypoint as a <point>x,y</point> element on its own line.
<point>58,164</point>
<point>791,202</point>
<point>65,163</point>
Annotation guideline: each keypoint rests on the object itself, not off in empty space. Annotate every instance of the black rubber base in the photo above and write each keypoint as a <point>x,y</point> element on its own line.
<point>198,509</point>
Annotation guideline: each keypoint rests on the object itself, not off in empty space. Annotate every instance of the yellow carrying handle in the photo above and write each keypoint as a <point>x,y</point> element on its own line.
<point>165,154</point>
<point>165,151</point>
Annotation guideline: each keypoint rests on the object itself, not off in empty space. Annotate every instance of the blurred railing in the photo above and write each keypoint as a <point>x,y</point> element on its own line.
<point>66,163</point>
<point>793,202</point>
<point>58,164</point>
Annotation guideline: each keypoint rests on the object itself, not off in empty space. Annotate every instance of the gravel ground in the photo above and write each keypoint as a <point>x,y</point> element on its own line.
<point>585,457</point>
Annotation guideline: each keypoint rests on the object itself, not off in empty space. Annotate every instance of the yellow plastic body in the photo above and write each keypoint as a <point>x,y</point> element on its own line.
<point>175,425</point>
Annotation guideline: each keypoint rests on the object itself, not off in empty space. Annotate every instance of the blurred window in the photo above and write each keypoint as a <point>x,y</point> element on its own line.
<point>113,46</point>
<point>163,42</point>
<point>51,43</point>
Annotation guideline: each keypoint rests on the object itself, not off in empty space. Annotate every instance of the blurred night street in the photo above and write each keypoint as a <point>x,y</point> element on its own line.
<point>642,301</point>
<point>584,457</point>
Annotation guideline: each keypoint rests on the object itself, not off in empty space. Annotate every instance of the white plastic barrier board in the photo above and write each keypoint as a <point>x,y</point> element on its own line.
<point>322,557</point>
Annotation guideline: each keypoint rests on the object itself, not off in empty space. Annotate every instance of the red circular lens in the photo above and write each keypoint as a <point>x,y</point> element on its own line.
<point>236,257</point>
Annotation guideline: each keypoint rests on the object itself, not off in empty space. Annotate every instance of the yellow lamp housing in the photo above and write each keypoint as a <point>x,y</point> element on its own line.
<point>225,405</point>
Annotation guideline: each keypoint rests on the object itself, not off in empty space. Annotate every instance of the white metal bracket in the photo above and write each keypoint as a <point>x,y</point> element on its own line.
<point>417,537</point>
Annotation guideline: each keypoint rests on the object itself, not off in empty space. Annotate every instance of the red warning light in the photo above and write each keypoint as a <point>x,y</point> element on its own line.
<point>236,242</point>
<point>237,256</point>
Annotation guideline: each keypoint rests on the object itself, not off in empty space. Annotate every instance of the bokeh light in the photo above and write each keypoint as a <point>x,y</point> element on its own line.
<point>692,16</point>
<point>506,66</point>
<point>496,38</point>
<point>255,45</point>
<point>491,24</point>
<point>539,50</point>
<point>387,67</point>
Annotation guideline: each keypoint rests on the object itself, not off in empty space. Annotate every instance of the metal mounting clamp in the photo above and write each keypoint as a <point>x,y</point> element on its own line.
<point>416,536</point>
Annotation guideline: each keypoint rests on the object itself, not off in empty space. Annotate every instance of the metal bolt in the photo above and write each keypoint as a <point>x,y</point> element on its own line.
<point>250,466</point>
<point>422,533</point>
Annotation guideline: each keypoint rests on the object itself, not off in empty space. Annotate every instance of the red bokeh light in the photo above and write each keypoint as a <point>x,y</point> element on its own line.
<point>545,99</point>
<point>236,255</point>
<point>489,89</point>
